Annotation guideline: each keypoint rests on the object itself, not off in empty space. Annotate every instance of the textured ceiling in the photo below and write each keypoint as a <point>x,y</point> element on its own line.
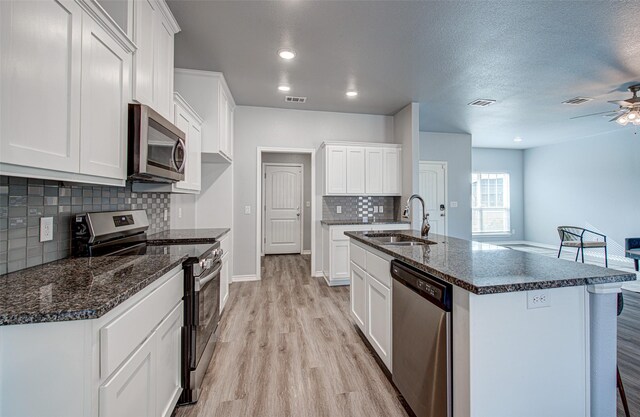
<point>529,56</point>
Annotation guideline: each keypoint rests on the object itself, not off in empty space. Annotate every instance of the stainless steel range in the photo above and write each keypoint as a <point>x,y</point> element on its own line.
<point>120,233</point>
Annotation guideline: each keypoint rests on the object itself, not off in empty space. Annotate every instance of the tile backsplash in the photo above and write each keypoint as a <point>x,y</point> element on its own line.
<point>24,201</point>
<point>357,207</point>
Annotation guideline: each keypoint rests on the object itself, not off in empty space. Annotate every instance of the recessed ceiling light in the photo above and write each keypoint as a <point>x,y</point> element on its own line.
<point>517,139</point>
<point>287,54</point>
<point>284,88</point>
<point>352,93</point>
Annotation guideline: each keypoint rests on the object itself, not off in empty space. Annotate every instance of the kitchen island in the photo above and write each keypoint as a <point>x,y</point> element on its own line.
<point>505,343</point>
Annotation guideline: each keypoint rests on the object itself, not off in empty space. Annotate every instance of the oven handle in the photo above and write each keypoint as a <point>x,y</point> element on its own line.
<point>201,282</point>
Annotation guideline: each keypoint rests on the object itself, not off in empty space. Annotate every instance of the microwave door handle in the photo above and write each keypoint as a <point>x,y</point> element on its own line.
<point>179,145</point>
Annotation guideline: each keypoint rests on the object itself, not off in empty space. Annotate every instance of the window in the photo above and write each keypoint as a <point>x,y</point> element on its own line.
<point>490,203</point>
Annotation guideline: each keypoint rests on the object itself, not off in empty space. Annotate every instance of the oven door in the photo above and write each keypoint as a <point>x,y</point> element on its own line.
<point>206,315</point>
<point>157,146</point>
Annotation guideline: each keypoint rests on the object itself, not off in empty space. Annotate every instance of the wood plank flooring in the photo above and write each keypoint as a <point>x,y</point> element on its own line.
<point>288,348</point>
<point>629,352</point>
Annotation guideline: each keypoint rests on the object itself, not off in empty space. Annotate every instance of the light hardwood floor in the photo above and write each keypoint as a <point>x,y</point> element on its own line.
<point>288,348</point>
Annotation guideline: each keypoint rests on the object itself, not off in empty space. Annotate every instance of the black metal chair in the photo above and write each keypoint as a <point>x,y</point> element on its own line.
<point>623,395</point>
<point>574,237</point>
<point>632,249</point>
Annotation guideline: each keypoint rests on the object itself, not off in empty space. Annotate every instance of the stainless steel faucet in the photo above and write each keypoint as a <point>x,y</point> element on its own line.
<point>425,216</point>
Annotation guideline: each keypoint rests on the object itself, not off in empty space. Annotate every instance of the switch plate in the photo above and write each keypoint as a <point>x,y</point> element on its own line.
<point>375,209</point>
<point>381,209</point>
<point>537,299</point>
<point>166,215</point>
<point>308,204</point>
<point>247,209</point>
<point>179,212</point>
<point>453,204</point>
<point>339,209</point>
<point>46,229</point>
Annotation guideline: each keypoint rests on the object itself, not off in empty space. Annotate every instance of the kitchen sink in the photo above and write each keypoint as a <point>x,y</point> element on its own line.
<point>398,240</point>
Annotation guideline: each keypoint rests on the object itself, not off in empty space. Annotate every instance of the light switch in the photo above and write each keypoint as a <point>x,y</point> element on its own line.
<point>375,209</point>
<point>381,209</point>
<point>247,209</point>
<point>454,204</point>
<point>308,204</point>
<point>339,209</point>
<point>179,212</point>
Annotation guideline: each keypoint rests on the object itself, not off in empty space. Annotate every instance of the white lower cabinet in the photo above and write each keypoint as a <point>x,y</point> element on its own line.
<point>130,391</point>
<point>225,273</point>
<point>169,360</point>
<point>370,297</point>
<point>335,249</point>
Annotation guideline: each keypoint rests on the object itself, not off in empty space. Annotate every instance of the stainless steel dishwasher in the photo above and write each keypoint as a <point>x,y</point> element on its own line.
<point>422,340</point>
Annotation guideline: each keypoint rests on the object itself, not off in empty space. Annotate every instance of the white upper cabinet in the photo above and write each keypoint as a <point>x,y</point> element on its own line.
<point>105,93</point>
<point>391,172</point>
<point>68,64</point>
<point>187,120</point>
<point>355,170</point>
<point>153,32</point>
<point>361,169</point>
<point>374,170</point>
<point>40,83</point>
<point>209,95</point>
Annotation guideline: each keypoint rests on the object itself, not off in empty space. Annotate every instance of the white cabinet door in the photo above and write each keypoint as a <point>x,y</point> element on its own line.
<point>40,83</point>
<point>105,94</point>
<point>163,67</point>
<point>340,259</point>
<point>224,282</point>
<point>195,155</point>
<point>336,170</point>
<point>145,21</point>
<point>355,170</point>
<point>169,364</point>
<point>326,251</point>
<point>378,319</point>
<point>392,176</point>
<point>131,391</point>
<point>373,170</point>
<point>358,296</point>
<point>223,126</point>
<point>230,132</point>
<point>192,128</point>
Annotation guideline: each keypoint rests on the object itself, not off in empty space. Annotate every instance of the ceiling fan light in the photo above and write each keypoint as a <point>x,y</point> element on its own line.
<point>622,120</point>
<point>632,116</point>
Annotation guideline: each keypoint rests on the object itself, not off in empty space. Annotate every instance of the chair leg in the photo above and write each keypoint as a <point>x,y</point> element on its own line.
<point>577,253</point>
<point>560,251</point>
<point>606,258</point>
<point>623,396</point>
<point>636,262</point>
<point>582,252</point>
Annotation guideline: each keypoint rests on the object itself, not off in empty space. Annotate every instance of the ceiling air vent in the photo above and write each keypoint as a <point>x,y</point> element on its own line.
<point>293,99</point>
<point>577,100</point>
<point>482,102</point>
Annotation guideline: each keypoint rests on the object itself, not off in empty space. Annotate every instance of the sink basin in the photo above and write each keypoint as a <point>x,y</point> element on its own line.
<point>397,240</point>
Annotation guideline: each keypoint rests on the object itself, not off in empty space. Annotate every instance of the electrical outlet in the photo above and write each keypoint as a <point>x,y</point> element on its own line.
<point>46,229</point>
<point>166,215</point>
<point>537,299</point>
<point>247,209</point>
<point>381,209</point>
<point>339,209</point>
<point>453,204</point>
<point>179,212</point>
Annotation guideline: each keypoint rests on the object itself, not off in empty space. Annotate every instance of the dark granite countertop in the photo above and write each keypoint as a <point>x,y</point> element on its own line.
<point>359,222</point>
<point>482,268</point>
<point>178,236</point>
<point>82,288</point>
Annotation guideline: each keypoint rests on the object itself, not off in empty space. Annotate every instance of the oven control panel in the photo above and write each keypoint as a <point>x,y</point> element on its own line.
<point>125,220</point>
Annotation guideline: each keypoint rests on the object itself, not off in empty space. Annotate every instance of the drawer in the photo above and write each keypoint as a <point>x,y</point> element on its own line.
<point>225,243</point>
<point>378,268</point>
<point>358,256</point>
<point>120,337</point>
<point>337,233</point>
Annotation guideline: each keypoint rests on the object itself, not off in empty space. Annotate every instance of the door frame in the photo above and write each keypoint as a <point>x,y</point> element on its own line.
<point>263,201</point>
<point>259,151</point>
<point>445,164</point>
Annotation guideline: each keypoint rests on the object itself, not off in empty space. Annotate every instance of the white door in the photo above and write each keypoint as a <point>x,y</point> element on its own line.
<point>433,189</point>
<point>282,202</point>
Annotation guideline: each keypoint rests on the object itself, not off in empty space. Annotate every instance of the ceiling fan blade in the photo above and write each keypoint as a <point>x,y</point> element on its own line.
<point>615,118</point>
<point>593,114</point>
<point>622,103</point>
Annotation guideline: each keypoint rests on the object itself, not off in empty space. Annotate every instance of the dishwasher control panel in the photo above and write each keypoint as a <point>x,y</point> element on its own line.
<point>428,286</point>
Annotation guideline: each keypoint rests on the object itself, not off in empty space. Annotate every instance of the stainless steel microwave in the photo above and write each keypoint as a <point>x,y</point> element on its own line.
<point>157,150</point>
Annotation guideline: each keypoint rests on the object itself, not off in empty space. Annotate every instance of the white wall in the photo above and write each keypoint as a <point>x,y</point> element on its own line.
<point>510,161</point>
<point>455,149</point>
<point>588,182</point>
<point>270,127</point>
<point>305,160</point>
<point>406,132</point>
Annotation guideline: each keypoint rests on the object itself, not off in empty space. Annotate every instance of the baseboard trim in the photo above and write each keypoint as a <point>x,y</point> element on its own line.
<point>336,282</point>
<point>245,278</point>
<point>306,252</point>
<point>317,274</point>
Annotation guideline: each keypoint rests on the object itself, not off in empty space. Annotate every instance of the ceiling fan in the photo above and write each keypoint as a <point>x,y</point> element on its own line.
<point>628,111</point>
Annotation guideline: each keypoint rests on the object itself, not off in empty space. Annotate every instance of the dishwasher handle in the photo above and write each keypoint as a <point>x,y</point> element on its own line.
<point>427,286</point>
